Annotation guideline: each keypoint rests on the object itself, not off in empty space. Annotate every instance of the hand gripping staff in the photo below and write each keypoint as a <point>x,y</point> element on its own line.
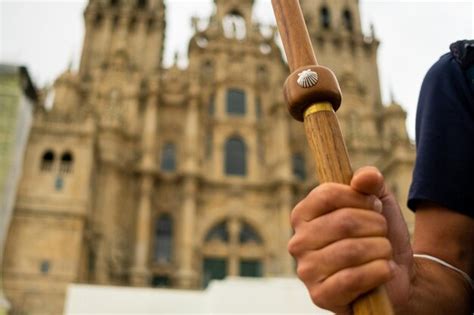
<point>313,95</point>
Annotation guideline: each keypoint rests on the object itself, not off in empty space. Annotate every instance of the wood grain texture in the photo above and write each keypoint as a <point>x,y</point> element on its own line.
<point>294,34</point>
<point>329,151</point>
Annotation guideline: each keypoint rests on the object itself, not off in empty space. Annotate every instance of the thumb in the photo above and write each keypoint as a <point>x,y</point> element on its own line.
<point>368,180</point>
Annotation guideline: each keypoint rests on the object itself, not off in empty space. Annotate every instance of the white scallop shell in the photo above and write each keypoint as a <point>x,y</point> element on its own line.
<point>308,78</point>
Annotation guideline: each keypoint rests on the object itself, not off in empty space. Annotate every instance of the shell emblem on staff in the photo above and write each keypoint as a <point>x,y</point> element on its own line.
<point>307,79</point>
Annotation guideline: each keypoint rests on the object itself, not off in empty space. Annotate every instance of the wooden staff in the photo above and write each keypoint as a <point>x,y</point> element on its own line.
<point>313,95</point>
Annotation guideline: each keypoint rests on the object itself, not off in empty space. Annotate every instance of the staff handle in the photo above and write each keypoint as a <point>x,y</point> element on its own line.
<point>316,106</point>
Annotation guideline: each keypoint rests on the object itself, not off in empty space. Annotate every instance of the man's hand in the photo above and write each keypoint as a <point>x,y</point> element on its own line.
<point>351,239</point>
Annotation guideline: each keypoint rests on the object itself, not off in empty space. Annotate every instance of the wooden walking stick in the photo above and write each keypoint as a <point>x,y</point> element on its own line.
<point>313,95</point>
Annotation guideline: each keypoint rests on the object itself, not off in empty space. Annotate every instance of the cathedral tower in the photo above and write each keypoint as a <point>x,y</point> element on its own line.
<point>134,26</point>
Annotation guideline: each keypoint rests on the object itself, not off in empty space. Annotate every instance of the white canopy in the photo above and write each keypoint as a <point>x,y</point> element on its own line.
<point>229,296</point>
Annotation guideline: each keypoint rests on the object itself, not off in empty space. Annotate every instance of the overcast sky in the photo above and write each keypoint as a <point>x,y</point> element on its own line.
<point>47,35</point>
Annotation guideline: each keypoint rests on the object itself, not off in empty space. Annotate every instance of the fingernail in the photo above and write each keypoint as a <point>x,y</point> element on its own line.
<point>393,266</point>
<point>378,206</point>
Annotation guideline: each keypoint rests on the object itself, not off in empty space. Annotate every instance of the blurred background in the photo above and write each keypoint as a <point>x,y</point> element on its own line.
<point>146,143</point>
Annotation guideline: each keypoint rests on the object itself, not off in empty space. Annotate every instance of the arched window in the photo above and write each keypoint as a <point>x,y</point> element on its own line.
<point>114,3</point>
<point>132,26</point>
<point>163,239</point>
<point>47,161</point>
<point>211,110</point>
<point>67,161</point>
<point>234,25</point>
<point>115,22</point>
<point>347,20</point>
<point>248,235</point>
<point>98,20</point>
<point>218,233</point>
<point>209,144</point>
<point>168,158</point>
<point>325,17</point>
<point>258,108</point>
<point>299,167</point>
<point>235,157</point>
<point>236,102</point>
<point>141,4</point>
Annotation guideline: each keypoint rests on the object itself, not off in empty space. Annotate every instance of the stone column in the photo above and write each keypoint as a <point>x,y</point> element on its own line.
<point>234,229</point>
<point>284,179</point>
<point>286,199</point>
<point>140,274</point>
<point>140,271</point>
<point>187,276</point>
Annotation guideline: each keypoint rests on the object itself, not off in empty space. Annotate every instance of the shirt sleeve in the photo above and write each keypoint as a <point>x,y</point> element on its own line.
<point>444,168</point>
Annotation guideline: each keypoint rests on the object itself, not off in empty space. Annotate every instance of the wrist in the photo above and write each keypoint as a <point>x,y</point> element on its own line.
<point>436,289</point>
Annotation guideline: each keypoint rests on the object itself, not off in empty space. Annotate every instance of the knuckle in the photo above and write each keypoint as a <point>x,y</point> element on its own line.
<point>346,223</point>
<point>294,245</point>
<point>325,194</point>
<point>318,297</point>
<point>352,250</point>
<point>304,271</point>
<point>350,280</point>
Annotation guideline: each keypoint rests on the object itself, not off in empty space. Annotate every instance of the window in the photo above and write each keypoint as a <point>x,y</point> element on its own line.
<point>219,232</point>
<point>141,4</point>
<point>114,3</point>
<point>347,20</point>
<point>212,105</point>
<point>44,267</point>
<point>214,269</point>
<point>98,20</point>
<point>168,158</point>
<point>209,144</point>
<point>151,24</point>
<point>299,167</point>
<point>235,157</point>
<point>59,183</point>
<point>258,108</point>
<point>234,25</point>
<point>47,161</point>
<point>163,239</point>
<point>161,282</point>
<point>132,26</point>
<point>325,17</point>
<point>67,161</point>
<point>251,268</point>
<point>249,235</point>
<point>236,103</point>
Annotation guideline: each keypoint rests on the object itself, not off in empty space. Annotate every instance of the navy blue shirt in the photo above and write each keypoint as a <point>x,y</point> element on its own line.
<point>444,169</point>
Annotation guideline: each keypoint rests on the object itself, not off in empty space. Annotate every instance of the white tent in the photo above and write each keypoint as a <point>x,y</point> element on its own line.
<point>230,296</point>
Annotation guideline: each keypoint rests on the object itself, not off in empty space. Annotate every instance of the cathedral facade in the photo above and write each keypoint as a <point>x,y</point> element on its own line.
<point>142,175</point>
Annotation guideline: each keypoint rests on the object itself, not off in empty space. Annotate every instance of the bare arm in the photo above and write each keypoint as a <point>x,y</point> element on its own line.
<point>447,235</point>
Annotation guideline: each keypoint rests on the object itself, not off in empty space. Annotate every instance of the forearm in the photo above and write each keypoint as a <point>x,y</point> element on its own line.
<point>437,289</point>
<point>449,236</point>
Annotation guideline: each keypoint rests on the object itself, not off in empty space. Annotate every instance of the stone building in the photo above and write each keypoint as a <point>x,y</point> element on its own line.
<point>142,175</point>
<point>18,96</point>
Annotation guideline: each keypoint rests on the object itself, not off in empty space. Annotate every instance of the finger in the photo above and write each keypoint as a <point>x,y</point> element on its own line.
<point>317,266</point>
<point>369,181</point>
<point>335,226</point>
<point>342,288</point>
<point>329,197</point>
